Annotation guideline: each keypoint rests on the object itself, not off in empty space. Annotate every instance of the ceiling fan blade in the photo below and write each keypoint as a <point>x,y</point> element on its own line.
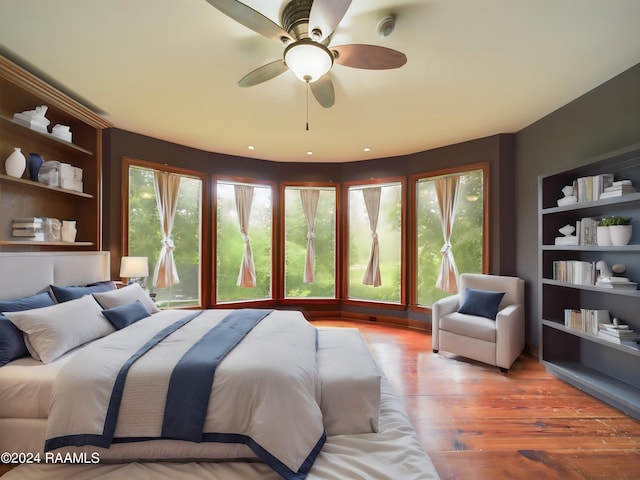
<point>325,16</point>
<point>370,57</point>
<point>263,73</point>
<point>322,89</point>
<point>252,19</point>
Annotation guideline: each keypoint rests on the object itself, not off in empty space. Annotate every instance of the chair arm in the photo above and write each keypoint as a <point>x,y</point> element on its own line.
<point>509,334</point>
<point>442,307</point>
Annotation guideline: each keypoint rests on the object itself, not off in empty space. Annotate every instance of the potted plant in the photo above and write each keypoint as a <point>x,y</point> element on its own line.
<point>603,237</point>
<point>619,229</point>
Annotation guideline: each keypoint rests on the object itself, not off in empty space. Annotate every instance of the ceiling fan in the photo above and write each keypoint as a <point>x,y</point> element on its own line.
<point>307,26</point>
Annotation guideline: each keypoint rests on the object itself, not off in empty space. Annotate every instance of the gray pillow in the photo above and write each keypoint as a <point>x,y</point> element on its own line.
<point>52,331</point>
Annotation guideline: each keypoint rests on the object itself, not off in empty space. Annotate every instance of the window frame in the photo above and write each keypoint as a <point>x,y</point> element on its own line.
<point>338,232</point>
<point>413,222</point>
<point>345,262</point>
<point>205,229</point>
<point>275,251</point>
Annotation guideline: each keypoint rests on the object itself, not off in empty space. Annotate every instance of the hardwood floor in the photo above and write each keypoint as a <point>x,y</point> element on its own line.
<point>477,423</point>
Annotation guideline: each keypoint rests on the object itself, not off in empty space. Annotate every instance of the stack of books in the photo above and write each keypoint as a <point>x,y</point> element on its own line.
<point>618,333</point>
<point>616,282</point>
<point>617,189</point>
<point>30,228</point>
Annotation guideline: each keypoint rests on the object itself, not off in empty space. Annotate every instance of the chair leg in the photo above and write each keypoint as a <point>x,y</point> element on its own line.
<point>435,350</point>
<point>503,370</point>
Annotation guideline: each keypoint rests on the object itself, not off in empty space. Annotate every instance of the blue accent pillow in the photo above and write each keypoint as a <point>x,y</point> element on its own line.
<point>127,314</point>
<point>482,303</point>
<point>64,294</point>
<point>11,338</point>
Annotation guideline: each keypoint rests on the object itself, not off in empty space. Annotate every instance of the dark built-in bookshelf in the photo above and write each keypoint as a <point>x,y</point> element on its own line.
<point>605,369</point>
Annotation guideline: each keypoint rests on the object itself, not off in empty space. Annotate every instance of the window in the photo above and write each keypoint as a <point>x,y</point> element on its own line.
<point>459,199</point>
<point>375,242</point>
<point>310,242</point>
<point>170,238</point>
<point>243,241</point>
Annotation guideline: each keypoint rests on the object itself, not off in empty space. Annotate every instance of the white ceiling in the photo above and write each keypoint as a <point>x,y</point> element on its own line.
<point>169,69</point>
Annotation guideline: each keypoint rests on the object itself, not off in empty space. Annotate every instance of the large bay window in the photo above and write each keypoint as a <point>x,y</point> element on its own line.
<point>244,234</point>
<point>450,237</point>
<point>375,242</point>
<point>164,224</point>
<point>310,242</point>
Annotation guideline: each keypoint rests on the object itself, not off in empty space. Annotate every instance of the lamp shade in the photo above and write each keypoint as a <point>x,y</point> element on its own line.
<point>309,60</point>
<point>134,267</point>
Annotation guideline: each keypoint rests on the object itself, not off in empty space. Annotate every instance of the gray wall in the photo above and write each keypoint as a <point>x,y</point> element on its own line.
<point>603,120</point>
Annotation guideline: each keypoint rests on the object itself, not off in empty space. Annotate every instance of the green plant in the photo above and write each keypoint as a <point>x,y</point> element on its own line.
<point>615,220</point>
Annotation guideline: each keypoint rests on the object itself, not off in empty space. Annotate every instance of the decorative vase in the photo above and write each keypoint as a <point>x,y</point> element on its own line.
<point>34,163</point>
<point>603,236</point>
<point>68,230</point>
<point>620,234</point>
<point>15,163</point>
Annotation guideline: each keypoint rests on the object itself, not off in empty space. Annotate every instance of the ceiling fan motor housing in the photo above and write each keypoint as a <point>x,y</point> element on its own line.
<point>295,18</point>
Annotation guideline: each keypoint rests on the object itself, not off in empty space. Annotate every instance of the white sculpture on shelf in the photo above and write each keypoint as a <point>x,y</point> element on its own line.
<point>569,197</point>
<point>34,119</point>
<point>567,239</point>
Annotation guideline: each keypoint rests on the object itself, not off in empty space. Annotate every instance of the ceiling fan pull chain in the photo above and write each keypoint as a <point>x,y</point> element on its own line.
<point>307,106</point>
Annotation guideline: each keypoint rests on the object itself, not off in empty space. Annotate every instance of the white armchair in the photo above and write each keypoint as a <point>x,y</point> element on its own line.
<point>496,342</point>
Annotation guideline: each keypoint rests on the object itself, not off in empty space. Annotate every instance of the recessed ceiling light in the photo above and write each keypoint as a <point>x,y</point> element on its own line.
<point>251,147</point>
<point>309,152</point>
<point>367,149</point>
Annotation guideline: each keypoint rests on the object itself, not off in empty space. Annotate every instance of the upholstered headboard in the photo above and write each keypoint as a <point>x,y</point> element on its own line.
<point>23,274</point>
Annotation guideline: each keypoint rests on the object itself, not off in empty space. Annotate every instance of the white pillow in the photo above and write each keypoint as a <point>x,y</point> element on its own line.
<point>52,331</point>
<point>125,295</point>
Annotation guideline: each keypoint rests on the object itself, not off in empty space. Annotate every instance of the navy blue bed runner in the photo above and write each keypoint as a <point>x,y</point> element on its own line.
<point>192,377</point>
<point>189,386</point>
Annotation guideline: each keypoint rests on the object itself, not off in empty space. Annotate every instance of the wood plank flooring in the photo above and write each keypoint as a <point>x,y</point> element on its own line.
<point>477,423</point>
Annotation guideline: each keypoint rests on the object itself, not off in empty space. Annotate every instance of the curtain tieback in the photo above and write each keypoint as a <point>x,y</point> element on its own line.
<point>374,236</point>
<point>168,244</point>
<point>311,235</point>
<point>245,237</point>
<point>446,248</point>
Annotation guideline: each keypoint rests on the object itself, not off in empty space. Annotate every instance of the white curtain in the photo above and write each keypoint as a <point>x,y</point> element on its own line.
<point>447,195</point>
<point>372,202</point>
<point>309,198</point>
<point>167,187</point>
<point>244,199</point>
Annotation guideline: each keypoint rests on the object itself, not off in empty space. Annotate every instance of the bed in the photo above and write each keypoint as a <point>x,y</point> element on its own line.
<point>275,396</point>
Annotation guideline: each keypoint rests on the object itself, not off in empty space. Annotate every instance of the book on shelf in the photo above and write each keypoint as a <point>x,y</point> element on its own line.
<point>620,337</point>
<point>617,189</point>
<point>28,234</point>
<point>586,231</point>
<point>589,189</point>
<point>585,319</point>
<point>574,271</point>
<point>616,282</point>
<point>28,222</point>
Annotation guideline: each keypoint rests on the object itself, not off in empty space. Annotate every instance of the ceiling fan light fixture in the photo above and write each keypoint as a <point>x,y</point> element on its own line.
<point>308,60</point>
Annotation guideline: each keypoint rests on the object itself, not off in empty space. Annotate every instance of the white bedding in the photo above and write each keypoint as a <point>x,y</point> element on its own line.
<point>393,453</point>
<point>265,393</point>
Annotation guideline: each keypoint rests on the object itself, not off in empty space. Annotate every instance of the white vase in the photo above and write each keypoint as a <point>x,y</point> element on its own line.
<point>68,231</point>
<point>15,163</point>
<point>620,234</point>
<point>603,237</point>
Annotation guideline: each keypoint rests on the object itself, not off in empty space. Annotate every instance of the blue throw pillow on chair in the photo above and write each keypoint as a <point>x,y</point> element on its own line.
<point>483,303</point>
